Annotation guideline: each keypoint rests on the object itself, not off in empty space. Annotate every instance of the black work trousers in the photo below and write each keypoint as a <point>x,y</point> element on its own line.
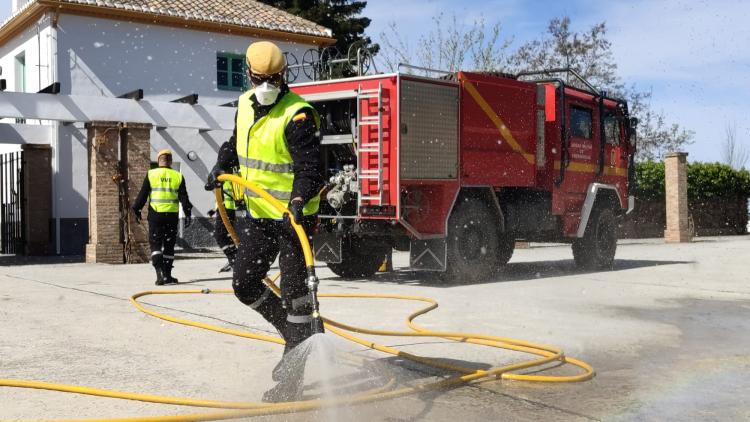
<point>261,241</point>
<point>162,236</point>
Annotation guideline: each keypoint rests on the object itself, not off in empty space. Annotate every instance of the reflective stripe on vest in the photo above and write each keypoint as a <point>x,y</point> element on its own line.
<point>165,183</point>
<point>263,154</point>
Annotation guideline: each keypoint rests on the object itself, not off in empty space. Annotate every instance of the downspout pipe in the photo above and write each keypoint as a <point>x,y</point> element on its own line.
<point>54,77</point>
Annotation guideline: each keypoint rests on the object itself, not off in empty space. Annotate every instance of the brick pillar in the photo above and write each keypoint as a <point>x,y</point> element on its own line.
<point>104,244</point>
<point>675,181</point>
<point>137,160</point>
<point>37,207</point>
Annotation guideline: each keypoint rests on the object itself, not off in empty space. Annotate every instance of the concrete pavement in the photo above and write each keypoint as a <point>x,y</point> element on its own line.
<point>667,331</point>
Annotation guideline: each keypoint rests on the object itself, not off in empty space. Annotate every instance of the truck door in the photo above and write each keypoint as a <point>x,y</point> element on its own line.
<point>579,160</point>
<point>582,147</point>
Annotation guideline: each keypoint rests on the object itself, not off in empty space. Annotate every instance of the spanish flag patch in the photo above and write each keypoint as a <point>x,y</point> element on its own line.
<point>299,117</point>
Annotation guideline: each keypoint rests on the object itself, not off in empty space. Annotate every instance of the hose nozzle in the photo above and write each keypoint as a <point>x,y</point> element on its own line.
<point>312,284</point>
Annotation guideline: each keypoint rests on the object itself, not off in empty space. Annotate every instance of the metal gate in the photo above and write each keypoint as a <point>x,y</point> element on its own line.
<point>11,203</point>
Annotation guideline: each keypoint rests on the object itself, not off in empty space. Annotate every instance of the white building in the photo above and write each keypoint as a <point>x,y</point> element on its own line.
<point>167,48</point>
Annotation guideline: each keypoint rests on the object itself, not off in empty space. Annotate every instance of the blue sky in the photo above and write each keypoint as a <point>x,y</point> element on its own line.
<point>694,55</point>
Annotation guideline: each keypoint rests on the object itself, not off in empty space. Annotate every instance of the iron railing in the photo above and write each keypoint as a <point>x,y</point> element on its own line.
<point>12,236</point>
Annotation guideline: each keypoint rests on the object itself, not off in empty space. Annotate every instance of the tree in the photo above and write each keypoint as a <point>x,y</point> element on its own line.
<point>590,54</point>
<point>733,153</point>
<point>448,46</point>
<point>341,16</point>
<point>452,46</point>
<point>655,136</point>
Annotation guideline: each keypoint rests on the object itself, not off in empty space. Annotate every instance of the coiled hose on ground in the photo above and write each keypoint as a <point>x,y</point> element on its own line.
<point>232,410</point>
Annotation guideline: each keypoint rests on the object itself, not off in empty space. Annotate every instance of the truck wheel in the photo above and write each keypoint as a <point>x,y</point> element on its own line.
<point>359,260</point>
<point>596,249</point>
<point>507,244</point>
<point>472,243</point>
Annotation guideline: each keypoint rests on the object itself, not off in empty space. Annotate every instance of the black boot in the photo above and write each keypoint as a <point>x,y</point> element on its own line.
<point>293,335</point>
<point>289,389</point>
<point>269,306</point>
<point>226,268</point>
<point>158,262</point>
<point>167,270</point>
<point>231,253</point>
<point>159,277</point>
<point>290,371</point>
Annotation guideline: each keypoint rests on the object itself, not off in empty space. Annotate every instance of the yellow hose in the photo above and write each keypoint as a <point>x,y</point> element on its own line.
<point>548,354</point>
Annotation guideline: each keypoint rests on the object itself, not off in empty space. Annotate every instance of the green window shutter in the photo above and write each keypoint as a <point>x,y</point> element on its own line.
<point>230,72</point>
<point>222,71</point>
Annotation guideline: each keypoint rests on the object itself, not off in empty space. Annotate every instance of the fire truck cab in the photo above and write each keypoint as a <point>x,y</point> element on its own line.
<point>456,169</point>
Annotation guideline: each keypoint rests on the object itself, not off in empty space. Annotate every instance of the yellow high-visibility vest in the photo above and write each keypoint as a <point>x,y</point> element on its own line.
<point>227,189</point>
<point>263,154</point>
<point>165,183</point>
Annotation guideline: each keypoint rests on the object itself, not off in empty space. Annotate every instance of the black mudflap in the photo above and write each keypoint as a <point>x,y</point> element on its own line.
<point>429,254</point>
<point>327,247</point>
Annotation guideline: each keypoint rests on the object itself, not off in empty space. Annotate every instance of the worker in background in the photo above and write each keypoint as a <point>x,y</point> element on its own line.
<point>223,239</point>
<point>165,190</point>
<point>276,145</point>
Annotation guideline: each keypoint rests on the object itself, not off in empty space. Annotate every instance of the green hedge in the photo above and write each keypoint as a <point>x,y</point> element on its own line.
<point>705,180</point>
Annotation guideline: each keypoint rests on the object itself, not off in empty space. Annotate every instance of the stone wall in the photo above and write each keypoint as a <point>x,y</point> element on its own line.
<point>710,217</point>
<point>677,208</point>
<point>105,243</point>
<point>118,163</point>
<point>136,161</point>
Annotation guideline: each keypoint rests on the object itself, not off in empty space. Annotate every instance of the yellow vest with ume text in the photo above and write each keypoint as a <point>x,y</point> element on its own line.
<point>263,154</point>
<point>165,183</point>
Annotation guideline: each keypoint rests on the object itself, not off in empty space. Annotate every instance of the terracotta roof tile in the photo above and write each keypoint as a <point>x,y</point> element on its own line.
<point>249,13</point>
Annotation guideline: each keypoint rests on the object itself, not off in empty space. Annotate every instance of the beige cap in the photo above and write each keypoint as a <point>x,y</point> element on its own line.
<point>265,58</point>
<point>164,152</point>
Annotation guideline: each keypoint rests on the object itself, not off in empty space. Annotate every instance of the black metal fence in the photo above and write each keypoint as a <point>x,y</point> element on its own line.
<point>11,203</point>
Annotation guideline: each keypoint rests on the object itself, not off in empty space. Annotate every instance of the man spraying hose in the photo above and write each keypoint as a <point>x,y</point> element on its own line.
<point>276,145</point>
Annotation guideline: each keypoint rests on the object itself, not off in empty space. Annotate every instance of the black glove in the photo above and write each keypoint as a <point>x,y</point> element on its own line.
<point>295,208</point>
<point>212,181</point>
<point>188,220</point>
<point>138,217</point>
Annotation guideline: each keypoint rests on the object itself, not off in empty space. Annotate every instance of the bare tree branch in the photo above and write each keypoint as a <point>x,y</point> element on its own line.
<point>449,45</point>
<point>733,152</point>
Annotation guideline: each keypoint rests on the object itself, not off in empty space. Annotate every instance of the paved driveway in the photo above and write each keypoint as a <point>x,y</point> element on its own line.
<point>668,332</point>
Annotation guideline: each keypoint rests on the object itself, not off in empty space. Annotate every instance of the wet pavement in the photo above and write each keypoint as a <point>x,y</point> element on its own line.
<point>668,332</point>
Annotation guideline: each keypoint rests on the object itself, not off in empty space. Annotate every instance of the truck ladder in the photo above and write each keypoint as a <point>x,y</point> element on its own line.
<point>366,147</point>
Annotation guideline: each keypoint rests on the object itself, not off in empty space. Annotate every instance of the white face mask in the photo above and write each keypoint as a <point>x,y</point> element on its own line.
<point>266,93</point>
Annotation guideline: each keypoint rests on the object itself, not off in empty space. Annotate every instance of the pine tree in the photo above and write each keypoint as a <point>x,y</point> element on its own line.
<point>341,16</point>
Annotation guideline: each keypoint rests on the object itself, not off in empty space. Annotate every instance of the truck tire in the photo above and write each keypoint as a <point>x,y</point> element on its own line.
<point>472,243</point>
<point>596,249</point>
<point>359,260</point>
<point>507,244</point>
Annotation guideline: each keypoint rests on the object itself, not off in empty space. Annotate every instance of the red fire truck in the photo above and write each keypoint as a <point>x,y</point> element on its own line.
<point>457,168</point>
